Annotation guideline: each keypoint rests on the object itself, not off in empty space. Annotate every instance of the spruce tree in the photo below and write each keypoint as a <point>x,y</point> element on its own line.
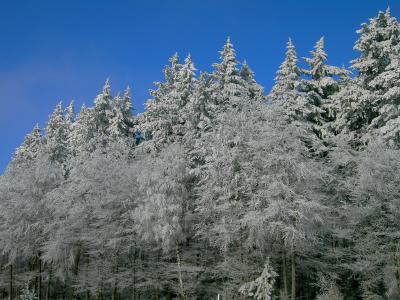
<point>102,110</point>
<point>368,105</point>
<point>228,88</point>
<point>320,86</point>
<point>157,122</point>
<point>254,91</point>
<point>30,147</point>
<point>288,76</point>
<point>57,132</point>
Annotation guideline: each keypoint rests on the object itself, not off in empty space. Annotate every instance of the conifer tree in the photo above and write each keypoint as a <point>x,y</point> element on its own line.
<point>367,106</point>
<point>70,113</point>
<point>320,86</point>
<point>157,122</point>
<point>200,106</point>
<point>83,130</point>
<point>286,91</point>
<point>229,88</point>
<point>102,110</point>
<point>57,132</point>
<point>288,76</point>
<point>30,148</point>
<point>254,90</point>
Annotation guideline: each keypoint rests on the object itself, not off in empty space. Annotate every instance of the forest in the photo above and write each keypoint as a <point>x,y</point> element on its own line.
<point>219,189</point>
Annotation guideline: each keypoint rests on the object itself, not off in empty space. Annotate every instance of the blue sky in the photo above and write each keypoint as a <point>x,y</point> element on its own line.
<point>55,51</point>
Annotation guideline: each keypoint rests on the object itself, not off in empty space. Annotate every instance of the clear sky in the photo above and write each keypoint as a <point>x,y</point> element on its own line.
<point>55,51</point>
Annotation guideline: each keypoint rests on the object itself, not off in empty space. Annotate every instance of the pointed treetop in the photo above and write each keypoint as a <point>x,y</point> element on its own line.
<point>171,71</point>
<point>228,41</point>
<point>56,120</point>
<point>174,58</point>
<point>188,59</point>
<point>107,87</point>
<point>246,72</point>
<point>377,44</point>
<point>36,129</point>
<point>316,62</point>
<point>228,52</point>
<point>69,112</point>
<point>228,64</point>
<point>128,93</point>
<point>58,108</point>
<point>57,114</point>
<point>102,101</point>
<point>320,43</point>
<point>30,146</point>
<point>289,69</point>
<point>189,65</point>
<point>287,76</point>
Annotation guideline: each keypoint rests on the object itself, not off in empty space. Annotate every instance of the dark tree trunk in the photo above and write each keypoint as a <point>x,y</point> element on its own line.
<point>293,277</point>
<point>11,282</point>
<point>40,278</point>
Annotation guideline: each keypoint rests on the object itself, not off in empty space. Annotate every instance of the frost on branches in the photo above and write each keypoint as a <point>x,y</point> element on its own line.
<point>215,184</point>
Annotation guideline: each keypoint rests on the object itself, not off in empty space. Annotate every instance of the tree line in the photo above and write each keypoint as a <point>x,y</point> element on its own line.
<point>217,190</point>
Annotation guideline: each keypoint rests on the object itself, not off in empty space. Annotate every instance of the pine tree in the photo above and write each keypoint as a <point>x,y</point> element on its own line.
<point>200,107</point>
<point>157,121</point>
<point>166,117</point>
<point>254,90</point>
<point>185,87</point>
<point>102,110</point>
<point>229,88</point>
<point>30,147</point>
<point>288,76</point>
<point>368,106</point>
<point>70,113</point>
<point>263,286</point>
<point>286,91</point>
<point>320,87</point>
<point>57,132</point>
<point>83,131</point>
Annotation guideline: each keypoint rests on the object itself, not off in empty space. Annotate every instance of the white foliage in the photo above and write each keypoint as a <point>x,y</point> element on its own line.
<point>262,287</point>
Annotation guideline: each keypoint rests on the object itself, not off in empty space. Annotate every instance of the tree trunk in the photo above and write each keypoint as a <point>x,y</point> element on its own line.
<point>48,284</point>
<point>284,276</point>
<point>178,260</point>
<point>114,294</point>
<point>39,277</point>
<point>87,276</point>
<point>11,282</point>
<point>293,277</point>
<point>134,274</point>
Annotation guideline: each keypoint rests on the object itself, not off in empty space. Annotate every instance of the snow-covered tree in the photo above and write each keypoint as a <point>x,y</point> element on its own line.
<point>287,77</point>
<point>82,133</point>
<point>200,107</point>
<point>102,109</point>
<point>28,294</point>
<point>376,217</point>
<point>229,87</point>
<point>86,213</point>
<point>286,91</point>
<point>157,122</point>
<point>29,150</point>
<point>121,119</point>
<point>57,133</point>
<point>368,106</point>
<point>253,89</point>
<point>320,86</point>
<point>164,209</point>
<point>262,287</point>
